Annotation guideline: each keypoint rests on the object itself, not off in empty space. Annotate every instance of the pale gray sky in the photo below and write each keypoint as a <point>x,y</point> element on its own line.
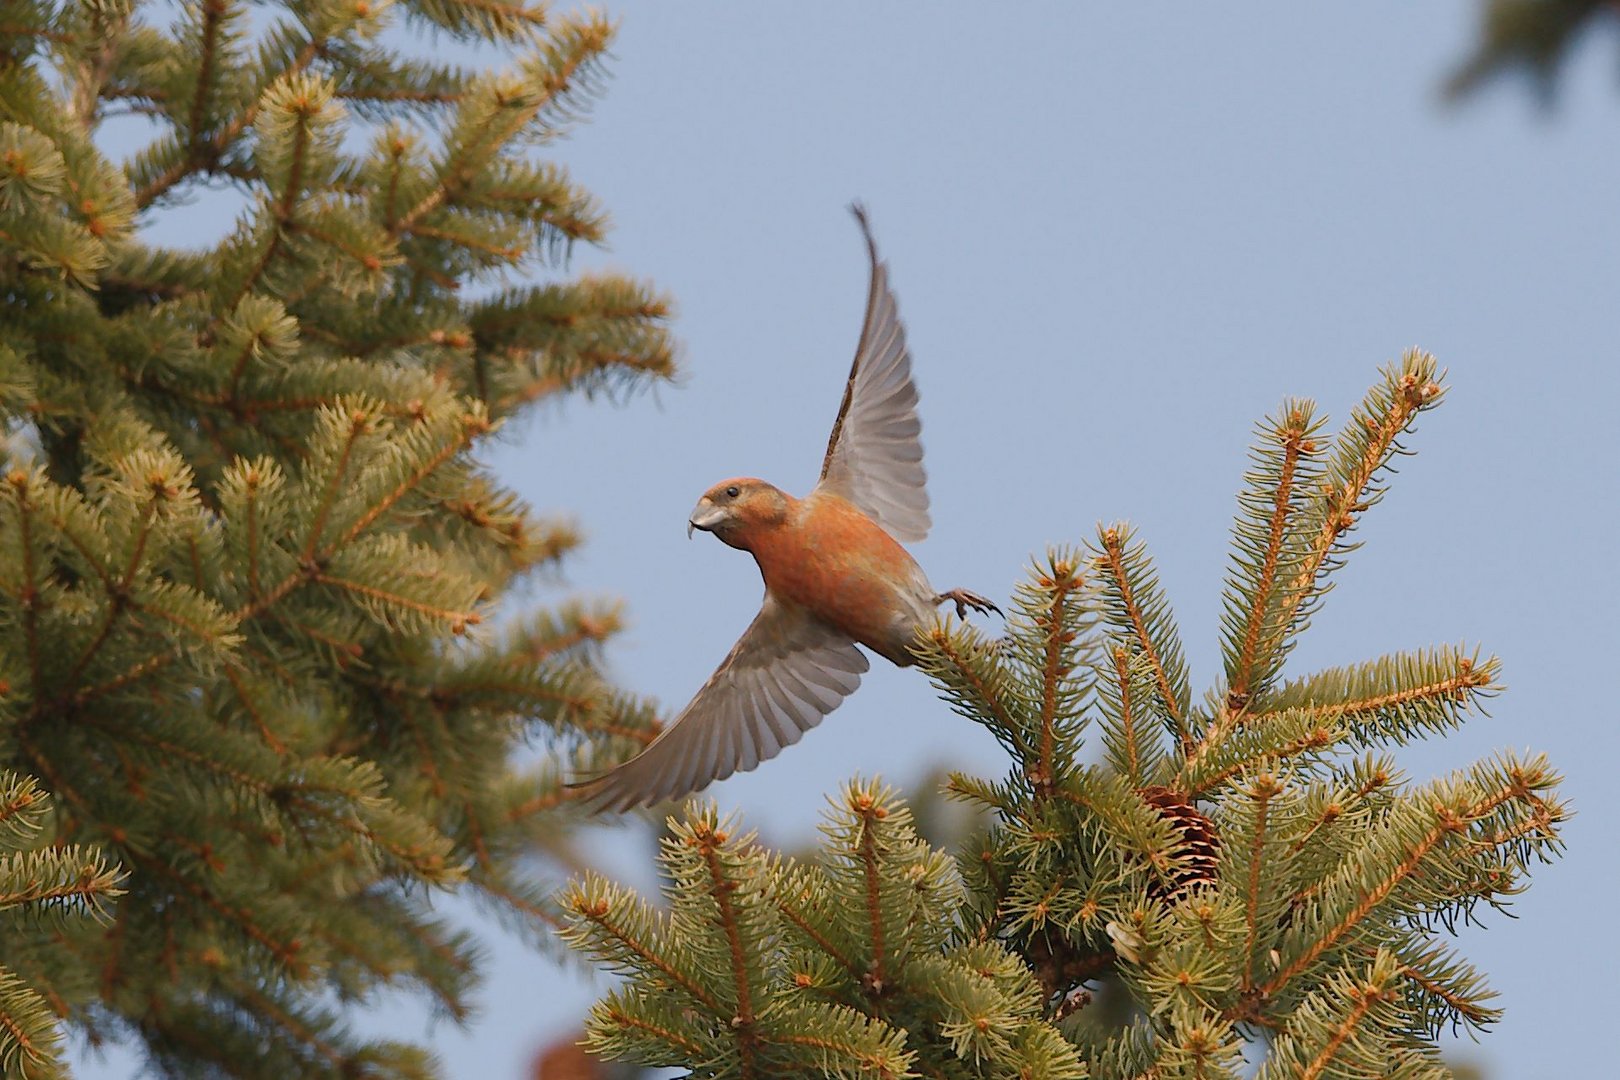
<point>1118,236</point>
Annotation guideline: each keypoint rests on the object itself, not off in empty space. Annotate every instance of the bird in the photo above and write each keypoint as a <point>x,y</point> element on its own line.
<point>836,578</point>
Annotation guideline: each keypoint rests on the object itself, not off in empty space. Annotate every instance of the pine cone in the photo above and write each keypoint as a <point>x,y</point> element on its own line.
<point>1200,850</point>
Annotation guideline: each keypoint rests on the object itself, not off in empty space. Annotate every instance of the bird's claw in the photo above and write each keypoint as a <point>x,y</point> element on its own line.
<point>964,600</point>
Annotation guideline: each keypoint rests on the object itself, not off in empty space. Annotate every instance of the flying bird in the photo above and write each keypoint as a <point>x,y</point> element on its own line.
<point>835,577</point>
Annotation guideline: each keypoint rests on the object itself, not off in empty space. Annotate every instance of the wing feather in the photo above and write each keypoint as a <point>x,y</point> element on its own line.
<point>785,673</point>
<point>874,457</point>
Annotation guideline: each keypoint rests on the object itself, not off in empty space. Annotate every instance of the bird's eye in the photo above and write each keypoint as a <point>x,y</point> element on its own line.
<point>732,492</point>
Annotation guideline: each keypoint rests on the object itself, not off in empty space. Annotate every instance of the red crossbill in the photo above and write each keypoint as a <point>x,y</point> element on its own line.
<point>835,576</point>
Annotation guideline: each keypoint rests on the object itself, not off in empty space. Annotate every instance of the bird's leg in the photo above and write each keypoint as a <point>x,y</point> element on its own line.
<point>964,600</point>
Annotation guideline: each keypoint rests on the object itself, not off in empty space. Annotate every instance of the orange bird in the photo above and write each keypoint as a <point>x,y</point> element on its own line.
<point>835,575</point>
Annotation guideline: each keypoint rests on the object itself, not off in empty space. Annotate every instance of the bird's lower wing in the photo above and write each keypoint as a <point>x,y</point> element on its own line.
<point>785,673</point>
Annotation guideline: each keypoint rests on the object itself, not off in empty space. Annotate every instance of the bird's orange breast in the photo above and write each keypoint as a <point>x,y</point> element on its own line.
<point>829,557</point>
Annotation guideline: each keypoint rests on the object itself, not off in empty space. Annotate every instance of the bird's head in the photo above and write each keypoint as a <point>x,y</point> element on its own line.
<point>734,509</point>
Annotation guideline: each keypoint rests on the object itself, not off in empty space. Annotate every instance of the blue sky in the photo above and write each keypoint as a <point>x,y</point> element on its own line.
<point>1119,236</point>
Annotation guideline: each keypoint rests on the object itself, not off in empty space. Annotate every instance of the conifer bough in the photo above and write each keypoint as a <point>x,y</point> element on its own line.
<point>247,552</point>
<point>1249,872</point>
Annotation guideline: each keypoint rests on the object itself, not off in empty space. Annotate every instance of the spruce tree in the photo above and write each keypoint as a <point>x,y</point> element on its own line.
<point>248,553</point>
<point>1248,873</point>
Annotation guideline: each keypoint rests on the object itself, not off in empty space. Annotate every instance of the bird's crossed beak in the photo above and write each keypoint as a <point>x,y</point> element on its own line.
<point>705,516</point>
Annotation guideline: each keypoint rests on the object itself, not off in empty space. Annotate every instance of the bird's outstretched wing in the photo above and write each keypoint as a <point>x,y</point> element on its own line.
<point>874,458</point>
<point>785,673</point>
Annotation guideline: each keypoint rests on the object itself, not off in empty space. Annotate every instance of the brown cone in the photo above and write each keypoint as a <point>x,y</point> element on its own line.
<point>1200,850</point>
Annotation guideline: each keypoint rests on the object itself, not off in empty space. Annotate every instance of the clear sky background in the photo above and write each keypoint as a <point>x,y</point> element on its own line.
<point>1119,236</point>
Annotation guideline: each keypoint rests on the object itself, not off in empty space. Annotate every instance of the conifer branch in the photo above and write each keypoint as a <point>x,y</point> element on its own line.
<point>1463,1005</point>
<point>1169,672</point>
<point>583,707</point>
<point>14,800</point>
<point>1329,814</point>
<point>457,620</point>
<point>194,553</point>
<point>539,316</point>
<point>518,903</point>
<point>1061,585</point>
<point>84,891</point>
<point>586,633</point>
<point>359,424</point>
<point>1127,709</point>
<point>250,704</point>
<point>128,677</point>
<point>29,1041</point>
<point>1136,828</point>
<point>67,524</point>
<point>955,667</point>
<point>1402,398</point>
<point>1292,434</point>
<point>283,212</point>
<point>300,796</point>
<point>1442,690</point>
<point>663,1033</point>
<point>303,1033</point>
<point>118,594</point>
<point>720,889</point>
<point>1259,794</point>
<point>516,14</point>
<point>288,954</point>
<point>1362,998</point>
<point>206,154</point>
<point>473,424</point>
<point>1393,698</point>
<point>596,911</point>
<point>1376,778</point>
<point>503,252</point>
<point>1355,1023</point>
<point>1467,1009</point>
<point>204,762</point>
<point>1538,824</point>
<point>356,253</point>
<point>454,174</point>
<point>799,919</point>
<point>39,764</point>
<point>1256,754</point>
<point>213,14</point>
<point>106,27</point>
<point>593,360</point>
<point>250,511</point>
<point>578,47</point>
<point>879,1064</point>
<point>864,805</point>
<point>306,573</point>
<point>303,107</point>
<point>1449,822</point>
